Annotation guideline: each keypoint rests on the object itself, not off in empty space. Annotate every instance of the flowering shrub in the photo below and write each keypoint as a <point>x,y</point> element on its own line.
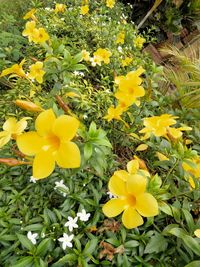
<point>85,104</point>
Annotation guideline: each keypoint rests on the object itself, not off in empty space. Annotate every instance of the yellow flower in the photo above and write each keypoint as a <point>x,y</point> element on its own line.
<point>84,10</point>
<point>39,36</point>
<point>129,87</point>
<point>51,143</point>
<point>28,105</point>
<point>131,199</point>
<point>12,128</point>
<point>60,8</point>
<point>96,60</point>
<point>110,3</point>
<point>30,14</point>
<point>157,125</point>
<point>114,113</point>
<point>127,61</point>
<point>197,233</point>
<point>103,55</point>
<point>85,55</point>
<point>139,41</point>
<point>37,72</point>
<point>29,30</point>
<point>120,38</point>
<point>15,69</point>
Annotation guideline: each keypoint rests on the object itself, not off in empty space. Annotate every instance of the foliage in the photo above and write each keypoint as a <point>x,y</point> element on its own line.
<point>40,220</point>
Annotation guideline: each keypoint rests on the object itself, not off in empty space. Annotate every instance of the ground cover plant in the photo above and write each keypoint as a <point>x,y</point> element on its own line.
<point>98,166</point>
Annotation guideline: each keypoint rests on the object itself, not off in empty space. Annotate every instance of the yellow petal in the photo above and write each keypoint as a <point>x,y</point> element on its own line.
<point>131,218</point>
<point>68,155</point>
<point>197,233</point>
<point>122,174</point>
<point>114,207</point>
<point>29,143</point>
<point>132,166</point>
<point>21,126</point>
<point>142,147</point>
<point>43,165</point>
<point>146,205</point>
<point>10,125</point>
<point>44,122</point>
<point>65,127</point>
<point>117,186</point>
<point>136,184</point>
<point>4,138</point>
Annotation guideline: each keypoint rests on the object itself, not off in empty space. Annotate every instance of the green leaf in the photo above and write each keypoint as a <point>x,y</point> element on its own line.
<point>25,242</point>
<point>102,142</point>
<point>157,244</point>
<point>193,264</point>
<point>90,246</point>
<point>25,261</point>
<point>78,67</point>
<point>188,240</point>
<point>33,227</point>
<point>88,151</point>
<point>44,247</point>
<point>92,129</point>
<point>77,58</point>
<point>69,258</point>
<point>131,244</point>
<point>189,220</point>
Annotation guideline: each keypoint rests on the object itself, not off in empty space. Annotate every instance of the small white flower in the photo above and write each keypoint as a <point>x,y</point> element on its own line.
<point>71,224</point>
<point>33,180</point>
<point>110,195</point>
<point>119,48</point>
<point>83,216</point>
<point>85,116</point>
<point>62,185</point>
<point>66,240</point>
<point>32,237</point>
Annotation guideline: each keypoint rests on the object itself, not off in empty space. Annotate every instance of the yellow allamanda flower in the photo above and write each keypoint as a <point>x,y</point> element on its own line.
<point>84,10</point>
<point>15,69</point>
<point>28,105</point>
<point>60,8</point>
<point>40,36</point>
<point>37,72</point>
<point>126,61</point>
<point>85,55</point>
<point>129,87</point>
<point>139,41</point>
<point>51,143</point>
<point>110,3</point>
<point>120,38</point>
<point>11,129</point>
<point>131,199</point>
<point>103,54</point>
<point>30,14</point>
<point>29,30</point>
<point>114,113</point>
<point>160,126</point>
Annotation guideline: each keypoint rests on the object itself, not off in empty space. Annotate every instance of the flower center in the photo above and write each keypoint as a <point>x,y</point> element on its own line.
<point>53,142</point>
<point>131,200</point>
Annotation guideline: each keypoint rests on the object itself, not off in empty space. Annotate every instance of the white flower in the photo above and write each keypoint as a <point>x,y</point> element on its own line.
<point>32,237</point>
<point>119,48</point>
<point>61,185</point>
<point>71,224</point>
<point>110,195</point>
<point>66,240</point>
<point>83,216</point>
<point>33,180</point>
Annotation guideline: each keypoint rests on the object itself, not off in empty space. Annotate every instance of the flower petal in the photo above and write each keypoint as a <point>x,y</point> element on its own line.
<point>146,205</point>
<point>68,155</point>
<point>4,138</point>
<point>133,166</point>
<point>10,125</point>
<point>43,165</point>
<point>65,127</point>
<point>114,207</point>
<point>44,122</point>
<point>29,143</point>
<point>136,184</point>
<point>131,218</point>
<point>117,186</point>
